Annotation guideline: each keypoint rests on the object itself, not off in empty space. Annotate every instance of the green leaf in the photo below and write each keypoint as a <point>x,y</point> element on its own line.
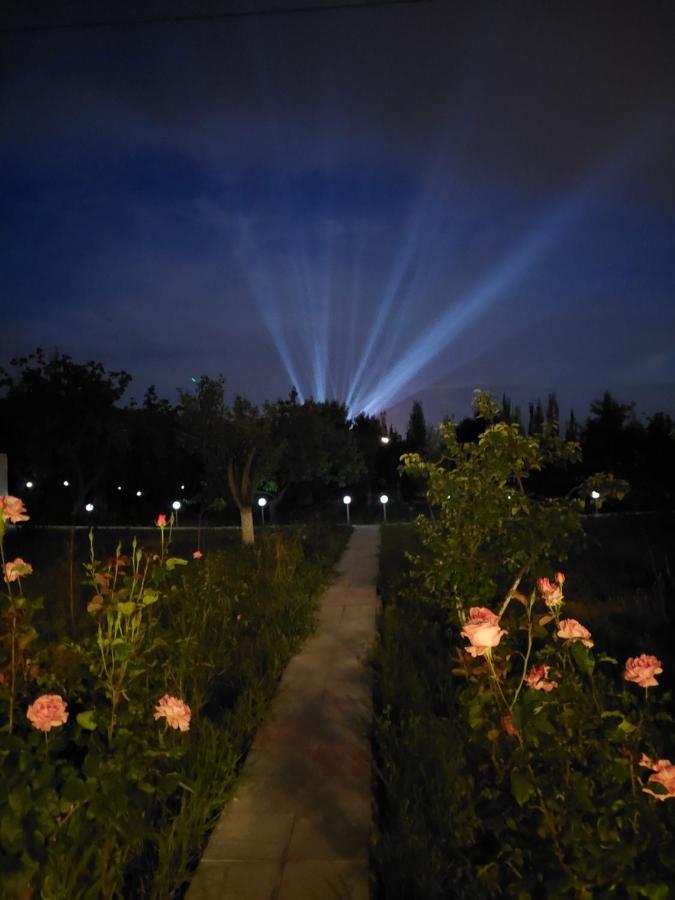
<point>626,727</point>
<point>582,658</point>
<point>174,561</point>
<point>73,790</point>
<point>521,786</point>
<point>127,608</point>
<point>654,891</point>
<point>149,596</point>
<point>87,720</point>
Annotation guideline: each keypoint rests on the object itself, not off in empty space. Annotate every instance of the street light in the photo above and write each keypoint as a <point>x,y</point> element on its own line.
<point>89,507</point>
<point>262,503</point>
<point>384,439</point>
<point>347,500</point>
<point>139,493</point>
<point>595,496</point>
<point>29,484</point>
<point>66,483</point>
<point>384,500</point>
<point>175,506</point>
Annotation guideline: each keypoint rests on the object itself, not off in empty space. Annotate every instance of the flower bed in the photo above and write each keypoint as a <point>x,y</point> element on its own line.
<point>517,758</point>
<point>118,749</point>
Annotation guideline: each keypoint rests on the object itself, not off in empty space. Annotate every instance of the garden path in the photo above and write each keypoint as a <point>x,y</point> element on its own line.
<point>298,825</point>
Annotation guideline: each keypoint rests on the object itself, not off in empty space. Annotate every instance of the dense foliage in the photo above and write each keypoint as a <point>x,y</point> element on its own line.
<point>517,758</point>
<point>118,749</point>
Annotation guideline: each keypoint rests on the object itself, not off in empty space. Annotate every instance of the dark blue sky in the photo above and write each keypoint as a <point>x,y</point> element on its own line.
<point>378,205</point>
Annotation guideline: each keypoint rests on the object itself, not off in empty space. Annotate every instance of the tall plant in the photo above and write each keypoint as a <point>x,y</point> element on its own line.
<point>487,532</point>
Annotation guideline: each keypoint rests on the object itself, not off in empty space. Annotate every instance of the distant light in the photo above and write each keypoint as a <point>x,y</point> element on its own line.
<point>139,493</point>
<point>194,380</point>
<point>384,439</point>
<point>175,505</point>
<point>384,499</point>
<point>262,501</point>
<point>346,499</point>
<point>89,507</point>
<point>182,487</point>
<point>595,495</point>
<point>119,487</point>
<point>29,484</point>
<point>66,483</point>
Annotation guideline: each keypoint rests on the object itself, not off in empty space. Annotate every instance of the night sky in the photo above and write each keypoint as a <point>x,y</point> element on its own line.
<point>378,205</point>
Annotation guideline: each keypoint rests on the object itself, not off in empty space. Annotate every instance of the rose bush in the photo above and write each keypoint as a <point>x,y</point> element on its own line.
<point>96,800</point>
<point>542,779</point>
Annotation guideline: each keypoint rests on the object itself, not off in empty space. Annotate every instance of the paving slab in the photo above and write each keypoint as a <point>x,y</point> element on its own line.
<point>298,825</point>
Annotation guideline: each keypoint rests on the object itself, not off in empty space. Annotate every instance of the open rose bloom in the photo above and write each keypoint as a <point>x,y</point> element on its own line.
<point>49,711</point>
<point>571,630</point>
<point>482,631</point>
<point>176,713</point>
<point>552,593</point>
<point>537,679</point>
<point>663,774</point>
<point>16,569</point>
<point>642,669</point>
<point>12,509</point>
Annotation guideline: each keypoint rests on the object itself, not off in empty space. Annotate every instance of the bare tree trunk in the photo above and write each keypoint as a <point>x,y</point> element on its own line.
<point>246,515</point>
<point>240,488</point>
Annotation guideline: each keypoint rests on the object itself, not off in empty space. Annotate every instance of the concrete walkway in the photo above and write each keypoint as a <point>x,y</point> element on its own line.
<point>299,823</point>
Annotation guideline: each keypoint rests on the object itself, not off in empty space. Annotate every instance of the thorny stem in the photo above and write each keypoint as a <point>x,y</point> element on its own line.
<point>12,683</point>
<point>549,821</point>
<point>495,680</point>
<point>513,590</point>
<point>526,658</point>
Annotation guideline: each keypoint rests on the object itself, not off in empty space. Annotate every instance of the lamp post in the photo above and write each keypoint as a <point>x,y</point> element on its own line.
<point>347,500</point>
<point>175,506</point>
<point>262,503</point>
<point>384,500</point>
<point>595,496</point>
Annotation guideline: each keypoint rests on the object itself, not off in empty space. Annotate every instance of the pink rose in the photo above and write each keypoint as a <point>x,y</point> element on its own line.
<point>642,669</point>
<point>197,554</point>
<point>537,678</point>
<point>17,569</point>
<point>552,594</point>
<point>176,713</point>
<point>12,509</point>
<point>48,711</point>
<point>571,630</point>
<point>664,774</point>
<point>161,521</point>
<point>482,631</point>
